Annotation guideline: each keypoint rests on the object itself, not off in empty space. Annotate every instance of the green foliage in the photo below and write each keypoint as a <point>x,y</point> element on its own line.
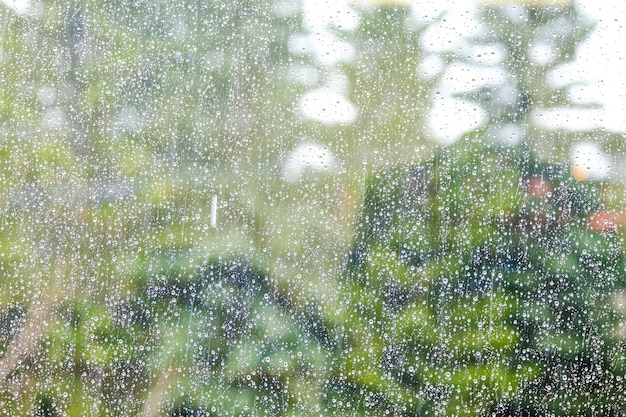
<point>483,284</point>
<point>121,294</point>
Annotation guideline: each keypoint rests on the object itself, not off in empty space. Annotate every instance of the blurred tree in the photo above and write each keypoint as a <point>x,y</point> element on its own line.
<point>142,145</point>
<point>478,287</point>
<point>479,283</point>
<point>120,122</point>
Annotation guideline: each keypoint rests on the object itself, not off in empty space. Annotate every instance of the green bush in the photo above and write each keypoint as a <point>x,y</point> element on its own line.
<point>478,285</point>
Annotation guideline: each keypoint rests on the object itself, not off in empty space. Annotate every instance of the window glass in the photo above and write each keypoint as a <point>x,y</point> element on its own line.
<point>271,207</point>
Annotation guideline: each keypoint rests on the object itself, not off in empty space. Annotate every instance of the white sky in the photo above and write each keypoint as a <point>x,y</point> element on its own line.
<point>600,64</point>
<point>598,70</point>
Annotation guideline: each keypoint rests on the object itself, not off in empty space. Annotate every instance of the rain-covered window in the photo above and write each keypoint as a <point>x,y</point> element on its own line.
<point>312,208</point>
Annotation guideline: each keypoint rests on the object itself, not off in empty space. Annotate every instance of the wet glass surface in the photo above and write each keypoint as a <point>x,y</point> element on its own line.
<point>311,208</point>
